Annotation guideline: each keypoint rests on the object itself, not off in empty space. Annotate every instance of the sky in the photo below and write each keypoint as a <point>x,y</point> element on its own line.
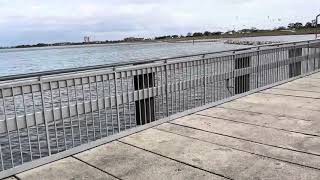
<point>47,21</point>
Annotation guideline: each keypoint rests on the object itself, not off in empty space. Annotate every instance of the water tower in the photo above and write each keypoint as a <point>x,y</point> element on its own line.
<point>86,39</point>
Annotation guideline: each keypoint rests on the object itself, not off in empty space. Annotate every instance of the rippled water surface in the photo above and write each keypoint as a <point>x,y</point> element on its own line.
<point>19,61</point>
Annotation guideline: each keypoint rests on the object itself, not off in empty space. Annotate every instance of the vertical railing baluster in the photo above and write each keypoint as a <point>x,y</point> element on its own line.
<point>53,116</point>
<point>195,83</point>
<point>318,57</point>
<point>166,85</point>
<point>116,98</point>
<point>277,62</point>
<point>258,67</point>
<point>162,91</point>
<point>148,99</point>
<point>44,117</point>
<point>98,105</point>
<point>63,122</point>
<point>128,96</point>
<point>85,109</point>
<point>144,98</point>
<point>110,101</point>
<point>105,104</point>
<point>37,127</point>
<point>139,122</point>
<point>91,109</point>
<point>187,87</point>
<point>173,88</point>
<point>154,77</point>
<point>183,88</point>
<point>136,103</point>
<point>308,55</point>
<point>7,127</point>
<point>16,123</point>
<point>77,109</point>
<point>179,86</point>
<point>204,81</point>
<point>122,98</point>
<point>1,156</point>
<point>1,153</point>
<point>26,121</point>
<point>198,83</point>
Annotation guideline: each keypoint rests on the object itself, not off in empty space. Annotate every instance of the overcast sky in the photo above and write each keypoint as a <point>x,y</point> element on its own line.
<point>34,21</point>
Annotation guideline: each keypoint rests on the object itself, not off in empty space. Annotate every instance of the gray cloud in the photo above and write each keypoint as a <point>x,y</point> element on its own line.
<point>33,21</point>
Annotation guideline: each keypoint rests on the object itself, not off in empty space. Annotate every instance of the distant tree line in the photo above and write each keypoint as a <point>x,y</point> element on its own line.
<point>299,25</point>
<point>196,34</point>
<point>65,44</point>
<point>291,26</point>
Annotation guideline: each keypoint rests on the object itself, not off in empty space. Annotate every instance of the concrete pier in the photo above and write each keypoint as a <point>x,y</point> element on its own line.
<point>272,134</point>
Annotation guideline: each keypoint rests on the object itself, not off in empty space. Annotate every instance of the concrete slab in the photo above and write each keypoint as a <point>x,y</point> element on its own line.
<point>128,162</point>
<point>307,80</point>
<point>10,178</point>
<point>243,145</point>
<point>300,86</point>
<point>231,163</point>
<point>278,101</point>
<point>69,168</point>
<point>278,122</point>
<point>282,110</point>
<point>316,76</point>
<point>294,141</point>
<point>288,92</point>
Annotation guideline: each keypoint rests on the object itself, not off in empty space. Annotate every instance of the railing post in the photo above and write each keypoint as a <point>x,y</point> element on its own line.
<point>295,59</point>
<point>295,67</point>
<point>319,58</point>
<point>233,75</point>
<point>258,66</point>
<point>277,59</point>
<point>308,54</point>
<point>205,80</point>
<point>166,86</point>
<point>314,59</point>
<point>116,98</point>
<point>44,115</point>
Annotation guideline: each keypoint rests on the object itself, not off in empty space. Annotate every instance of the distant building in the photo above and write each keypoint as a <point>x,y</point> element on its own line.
<point>86,39</point>
<point>230,32</point>
<point>133,39</point>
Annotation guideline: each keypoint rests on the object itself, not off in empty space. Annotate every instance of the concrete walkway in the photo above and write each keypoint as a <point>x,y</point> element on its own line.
<point>273,134</point>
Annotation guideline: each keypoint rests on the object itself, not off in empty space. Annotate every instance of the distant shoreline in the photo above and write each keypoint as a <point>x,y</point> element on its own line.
<point>12,49</point>
<point>212,38</point>
<point>75,44</point>
<point>244,35</point>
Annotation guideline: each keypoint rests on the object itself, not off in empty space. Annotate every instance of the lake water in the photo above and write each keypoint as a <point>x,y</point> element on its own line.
<point>19,61</point>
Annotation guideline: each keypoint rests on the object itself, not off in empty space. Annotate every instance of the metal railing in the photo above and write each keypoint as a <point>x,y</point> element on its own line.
<point>316,26</point>
<point>49,115</point>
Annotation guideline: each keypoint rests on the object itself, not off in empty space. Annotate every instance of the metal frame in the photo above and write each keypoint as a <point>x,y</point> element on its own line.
<point>62,113</point>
